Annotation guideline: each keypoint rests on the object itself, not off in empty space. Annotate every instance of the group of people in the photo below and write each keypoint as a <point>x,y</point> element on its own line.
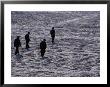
<point>43,44</point>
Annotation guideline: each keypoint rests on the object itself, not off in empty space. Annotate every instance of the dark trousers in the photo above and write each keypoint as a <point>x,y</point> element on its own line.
<point>27,44</point>
<point>17,50</point>
<point>42,52</point>
<point>53,39</point>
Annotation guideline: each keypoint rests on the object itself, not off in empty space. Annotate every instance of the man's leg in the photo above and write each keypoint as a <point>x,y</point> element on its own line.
<point>17,50</point>
<point>42,52</point>
<point>53,39</point>
<point>27,46</point>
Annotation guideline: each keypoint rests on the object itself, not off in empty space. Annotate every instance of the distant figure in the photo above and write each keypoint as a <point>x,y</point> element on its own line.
<point>17,44</point>
<point>43,46</point>
<point>52,32</point>
<point>27,40</point>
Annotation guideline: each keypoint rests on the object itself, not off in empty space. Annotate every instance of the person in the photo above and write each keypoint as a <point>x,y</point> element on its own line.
<point>17,44</point>
<point>43,46</point>
<point>52,32</point>
<point>27,38</point>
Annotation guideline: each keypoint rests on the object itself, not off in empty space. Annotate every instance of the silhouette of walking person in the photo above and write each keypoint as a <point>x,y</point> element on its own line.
<point>52,32</point>
<point>27,38</point>
<point>43,46</point>
<point>17,44</point>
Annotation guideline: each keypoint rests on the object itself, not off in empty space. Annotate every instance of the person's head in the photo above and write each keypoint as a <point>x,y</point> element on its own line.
<point>28,32</point>
<point>44,40</point>
<point>18,37</point>
<point>52,28</point>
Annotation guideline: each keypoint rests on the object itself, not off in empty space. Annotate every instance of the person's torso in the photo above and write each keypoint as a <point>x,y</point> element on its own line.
<point>52,32</point>
<point>27,37</point>
<point>17,42</point>
<point>43,45</point>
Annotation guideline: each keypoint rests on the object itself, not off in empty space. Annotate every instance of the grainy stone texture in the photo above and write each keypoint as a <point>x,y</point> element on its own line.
<point>76,52</point>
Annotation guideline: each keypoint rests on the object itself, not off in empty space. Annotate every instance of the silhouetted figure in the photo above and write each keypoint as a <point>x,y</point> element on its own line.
<point>52,32</point>
<point>17,44</point>
<point>43,46</point>
<point>27,40</point>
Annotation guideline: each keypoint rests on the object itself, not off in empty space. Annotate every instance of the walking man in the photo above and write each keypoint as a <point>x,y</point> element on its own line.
<point>17,44</point>
<point>27,38</point>
<point>43,46</point>
<point>52,32</point>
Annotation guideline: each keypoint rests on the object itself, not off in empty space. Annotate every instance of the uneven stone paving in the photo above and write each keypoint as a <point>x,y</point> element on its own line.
<point>75,53</point>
